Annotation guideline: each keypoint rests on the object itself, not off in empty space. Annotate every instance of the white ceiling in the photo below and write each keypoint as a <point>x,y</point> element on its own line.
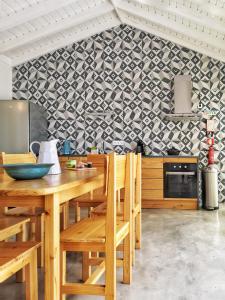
<point>30,28</point>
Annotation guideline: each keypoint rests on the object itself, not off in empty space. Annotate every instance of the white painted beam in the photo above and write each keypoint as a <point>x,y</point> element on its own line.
<point>209,8</point>
<point>213,8</point>
<point>63,39</point>
<point>186,11</point>
<point>56,26</point>
<point>173,22</point>
<point>6,59</point>
<point>116,10</point>
<point>173,36</point>
<point>31,12</point>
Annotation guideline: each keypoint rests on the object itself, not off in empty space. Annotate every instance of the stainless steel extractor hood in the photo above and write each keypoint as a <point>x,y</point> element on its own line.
<point>182,100</point>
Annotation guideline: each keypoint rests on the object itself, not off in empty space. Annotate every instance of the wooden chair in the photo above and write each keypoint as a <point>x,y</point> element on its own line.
<point>16,256</point>
<point>36,215</point>
<point>90,200</point>
<point>103,234</point>
<point>136,206</point>
<point>10,227</point>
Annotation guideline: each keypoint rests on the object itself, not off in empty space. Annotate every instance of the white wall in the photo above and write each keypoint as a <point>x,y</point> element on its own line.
<point>5,78</point>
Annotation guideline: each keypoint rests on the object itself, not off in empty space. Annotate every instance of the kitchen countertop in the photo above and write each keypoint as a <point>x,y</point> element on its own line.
<point>144,156</point>
<point>173,156</point>
<point>72,155</point>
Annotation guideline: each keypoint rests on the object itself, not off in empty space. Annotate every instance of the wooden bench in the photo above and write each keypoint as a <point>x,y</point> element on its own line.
<point>16,256</point>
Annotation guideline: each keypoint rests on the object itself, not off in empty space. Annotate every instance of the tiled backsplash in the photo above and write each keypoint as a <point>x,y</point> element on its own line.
<point>128,73</point>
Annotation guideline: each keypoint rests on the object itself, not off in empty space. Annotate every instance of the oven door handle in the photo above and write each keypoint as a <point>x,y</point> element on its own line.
<point>180,173</point>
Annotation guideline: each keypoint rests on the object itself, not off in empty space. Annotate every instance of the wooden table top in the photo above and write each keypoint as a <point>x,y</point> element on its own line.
<point>48,184</point>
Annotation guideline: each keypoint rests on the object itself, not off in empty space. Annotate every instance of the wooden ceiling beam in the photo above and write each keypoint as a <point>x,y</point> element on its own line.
<point>210,9</point>
<point>5,59</point>
<point>55,27</point>
<point>187,11</point>
<point>65,38</point>
<point>173,36</point>
<point>32,12</point>
<point>173,22</point>
<point>115,7</point>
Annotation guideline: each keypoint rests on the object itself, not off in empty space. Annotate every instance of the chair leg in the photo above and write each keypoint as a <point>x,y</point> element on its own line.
<point>31,278</point>
<point>62,272</point>
<point>86,268</point>
<point>77,212</point>
<point>138,231</point>
<point>22,236</point>
<point>110,275</point>
<point>32,229</point>
<point>133,241</point>
<point>65,216</point>
<point>39,237</point>
<point>127,259</point>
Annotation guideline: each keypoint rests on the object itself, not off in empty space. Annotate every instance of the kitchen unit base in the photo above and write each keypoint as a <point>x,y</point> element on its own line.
<point>153,195</point>
<point>153,183</point>
<point>176,204</point>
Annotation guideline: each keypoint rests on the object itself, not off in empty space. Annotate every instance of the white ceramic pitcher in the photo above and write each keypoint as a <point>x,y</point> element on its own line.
<point>48,154</point>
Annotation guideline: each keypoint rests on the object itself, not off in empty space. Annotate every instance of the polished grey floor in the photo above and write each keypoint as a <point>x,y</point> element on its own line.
<point>182,258</point>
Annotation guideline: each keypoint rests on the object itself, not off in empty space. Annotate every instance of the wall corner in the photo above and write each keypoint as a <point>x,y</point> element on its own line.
<point>5,78</point>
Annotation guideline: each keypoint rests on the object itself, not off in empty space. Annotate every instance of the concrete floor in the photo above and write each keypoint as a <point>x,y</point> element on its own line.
<point>182,258</point>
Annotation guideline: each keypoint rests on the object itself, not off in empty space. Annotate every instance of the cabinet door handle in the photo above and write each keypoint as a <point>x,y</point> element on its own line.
<point>181,173</point>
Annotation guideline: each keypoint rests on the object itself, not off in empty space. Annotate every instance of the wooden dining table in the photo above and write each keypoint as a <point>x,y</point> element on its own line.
<point>48,193</point>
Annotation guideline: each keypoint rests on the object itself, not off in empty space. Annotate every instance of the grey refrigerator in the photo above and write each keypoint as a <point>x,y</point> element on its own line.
<point>21,122</point>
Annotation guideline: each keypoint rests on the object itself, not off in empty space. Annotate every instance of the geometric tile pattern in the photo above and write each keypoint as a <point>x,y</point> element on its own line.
<point>130,73</point>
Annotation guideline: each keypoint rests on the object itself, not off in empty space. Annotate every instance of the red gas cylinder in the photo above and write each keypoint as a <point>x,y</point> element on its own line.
<point>211,155</point>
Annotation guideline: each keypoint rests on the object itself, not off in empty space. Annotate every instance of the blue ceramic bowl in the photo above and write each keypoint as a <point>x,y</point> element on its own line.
<point>27,171</point>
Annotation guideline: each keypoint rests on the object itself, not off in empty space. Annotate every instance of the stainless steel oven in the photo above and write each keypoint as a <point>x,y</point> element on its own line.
<point>180,180</point>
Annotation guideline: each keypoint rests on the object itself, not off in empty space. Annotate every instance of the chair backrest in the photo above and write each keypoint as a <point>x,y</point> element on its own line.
<point>18,158</point>
<point>137,180</point>
<point>137,176</point>
<point>6,158</point>
<point>120,176</point>
<point>101,162</point>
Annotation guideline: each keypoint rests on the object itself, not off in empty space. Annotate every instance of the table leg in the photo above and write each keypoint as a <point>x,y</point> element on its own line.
<point>52,247</point>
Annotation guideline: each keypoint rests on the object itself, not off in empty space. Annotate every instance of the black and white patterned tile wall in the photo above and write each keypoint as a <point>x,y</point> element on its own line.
<point>128,75</point>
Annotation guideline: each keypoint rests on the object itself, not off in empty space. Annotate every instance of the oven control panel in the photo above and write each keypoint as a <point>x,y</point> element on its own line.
<point>180,167</point>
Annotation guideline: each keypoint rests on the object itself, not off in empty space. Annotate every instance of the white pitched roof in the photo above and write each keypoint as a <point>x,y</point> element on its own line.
<point>29,28</point>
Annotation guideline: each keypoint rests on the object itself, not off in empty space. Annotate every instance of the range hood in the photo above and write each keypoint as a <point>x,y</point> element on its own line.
<point>182,100</point>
